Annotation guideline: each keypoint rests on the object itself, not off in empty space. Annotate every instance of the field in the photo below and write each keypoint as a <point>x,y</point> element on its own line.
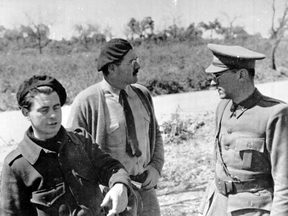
<point>173,68</point>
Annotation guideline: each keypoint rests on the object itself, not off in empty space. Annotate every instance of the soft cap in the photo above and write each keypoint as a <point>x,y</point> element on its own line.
<point>113,50</point>
<point>37,81</point>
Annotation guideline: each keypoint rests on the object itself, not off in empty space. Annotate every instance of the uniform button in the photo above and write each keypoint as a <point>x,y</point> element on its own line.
<point>226,147</point>
<point>249,145</point>
<point>49,204</point>
<point>230,131</point>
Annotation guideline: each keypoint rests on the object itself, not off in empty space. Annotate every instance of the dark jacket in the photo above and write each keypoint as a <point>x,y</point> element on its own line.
<point>36,181</point>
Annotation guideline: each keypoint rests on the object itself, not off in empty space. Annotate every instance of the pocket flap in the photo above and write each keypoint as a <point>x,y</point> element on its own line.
<point>256,144</point>
<point>48,197</point>
<point>113,127</point>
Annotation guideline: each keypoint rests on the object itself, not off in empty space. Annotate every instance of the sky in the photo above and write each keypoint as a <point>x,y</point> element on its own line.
<point>62,15</point>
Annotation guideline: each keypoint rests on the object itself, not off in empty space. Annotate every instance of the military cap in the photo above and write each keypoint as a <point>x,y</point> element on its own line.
<point>112,51</point>
<point>37,81</point>
<point>230,57</point>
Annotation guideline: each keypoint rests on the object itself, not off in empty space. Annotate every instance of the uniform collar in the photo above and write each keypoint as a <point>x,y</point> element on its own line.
<point>247,103</point>
<point>31,151</point>
<point>251,100</point>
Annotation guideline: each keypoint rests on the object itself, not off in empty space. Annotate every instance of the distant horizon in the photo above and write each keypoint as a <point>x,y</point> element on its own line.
<point>62,15</point>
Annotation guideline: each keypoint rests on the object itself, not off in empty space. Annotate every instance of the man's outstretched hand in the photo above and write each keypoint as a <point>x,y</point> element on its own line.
<point>118,196</point>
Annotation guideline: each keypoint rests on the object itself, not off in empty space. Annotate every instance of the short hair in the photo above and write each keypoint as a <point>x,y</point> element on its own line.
<point>29,97</point>
<point>105,69</point>
<point>251,72</point>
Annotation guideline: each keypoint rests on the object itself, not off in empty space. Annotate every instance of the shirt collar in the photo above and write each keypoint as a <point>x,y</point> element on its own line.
<point>107,87</point>
<point>31,151</point>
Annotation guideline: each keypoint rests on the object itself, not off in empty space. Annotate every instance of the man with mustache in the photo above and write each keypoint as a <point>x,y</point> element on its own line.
<point>120,116</point>
<point>251,145</point>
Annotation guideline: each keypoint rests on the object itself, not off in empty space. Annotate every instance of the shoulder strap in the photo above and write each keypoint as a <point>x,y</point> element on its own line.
<point>12,156</point>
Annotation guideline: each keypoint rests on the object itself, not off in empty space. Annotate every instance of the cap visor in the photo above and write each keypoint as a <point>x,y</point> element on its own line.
<point>215,69</point>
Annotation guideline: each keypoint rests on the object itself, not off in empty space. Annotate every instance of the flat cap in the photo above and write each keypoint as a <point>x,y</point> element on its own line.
<point>112,51</point>
<point>37,81</point>
<point>230,57</point>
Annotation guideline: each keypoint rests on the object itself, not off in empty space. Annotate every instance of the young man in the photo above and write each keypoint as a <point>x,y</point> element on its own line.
<point>53,171</point>
<point>251,148</point>
<point>120,116</point>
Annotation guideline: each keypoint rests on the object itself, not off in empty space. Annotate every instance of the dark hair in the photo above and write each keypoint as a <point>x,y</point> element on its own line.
<point>29,97</point>
<point>105,69</point>
<point>251,72</point>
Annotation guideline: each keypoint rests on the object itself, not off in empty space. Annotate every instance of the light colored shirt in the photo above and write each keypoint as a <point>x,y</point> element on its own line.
<point>116,128</point>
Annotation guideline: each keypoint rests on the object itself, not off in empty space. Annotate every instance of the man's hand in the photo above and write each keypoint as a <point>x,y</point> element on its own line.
<point>152,178</point>
<point>119,197</point>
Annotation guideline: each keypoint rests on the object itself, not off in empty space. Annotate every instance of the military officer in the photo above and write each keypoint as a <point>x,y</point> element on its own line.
<point>251,142</point>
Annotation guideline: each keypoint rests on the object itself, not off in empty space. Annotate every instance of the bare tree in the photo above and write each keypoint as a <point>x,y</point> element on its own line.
<point>85,32</point>
<point>134,27</point>
<point>230,30</point>
<point>277,33</point>
<point>41,27</point>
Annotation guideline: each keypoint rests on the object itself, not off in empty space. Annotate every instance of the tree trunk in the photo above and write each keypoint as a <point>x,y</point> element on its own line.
<point>275,44</point>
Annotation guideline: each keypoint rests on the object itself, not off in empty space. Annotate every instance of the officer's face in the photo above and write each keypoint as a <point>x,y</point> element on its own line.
<point>127,71</point>
<point>45,115</point>
<point>226,83</point>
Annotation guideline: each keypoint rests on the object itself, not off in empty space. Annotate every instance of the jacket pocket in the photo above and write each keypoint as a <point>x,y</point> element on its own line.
<point>249,149</point>
<point>259,200</point>
<point>48,197</point>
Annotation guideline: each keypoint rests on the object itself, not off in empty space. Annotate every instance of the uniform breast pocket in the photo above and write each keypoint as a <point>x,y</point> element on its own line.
<point>249,151</point>
<point>47,197</point>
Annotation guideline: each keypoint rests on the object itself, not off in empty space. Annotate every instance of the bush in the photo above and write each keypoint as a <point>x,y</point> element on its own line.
<point>168,68</point>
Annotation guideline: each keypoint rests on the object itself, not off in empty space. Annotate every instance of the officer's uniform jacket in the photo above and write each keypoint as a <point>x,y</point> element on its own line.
<point>36,181</point>
<point>253,146</point>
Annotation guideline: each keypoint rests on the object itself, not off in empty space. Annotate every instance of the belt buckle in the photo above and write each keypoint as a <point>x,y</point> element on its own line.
<point>230,189</point>
<point>225,187</point>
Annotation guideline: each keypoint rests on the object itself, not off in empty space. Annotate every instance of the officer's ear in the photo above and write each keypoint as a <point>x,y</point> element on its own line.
<point>243,74</point>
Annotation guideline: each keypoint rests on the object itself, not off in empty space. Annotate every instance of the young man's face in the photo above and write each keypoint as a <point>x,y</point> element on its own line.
<point>45,115</point>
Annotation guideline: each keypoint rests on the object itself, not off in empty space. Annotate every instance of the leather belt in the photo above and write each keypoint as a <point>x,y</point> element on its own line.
<point>139,178</point>
<point>232,187</point>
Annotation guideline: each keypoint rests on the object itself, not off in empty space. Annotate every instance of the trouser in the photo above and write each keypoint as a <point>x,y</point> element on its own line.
<point>148,197</point>
<point>150,203</point>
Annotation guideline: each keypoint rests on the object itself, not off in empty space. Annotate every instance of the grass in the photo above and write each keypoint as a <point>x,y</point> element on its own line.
<point>165,69</point>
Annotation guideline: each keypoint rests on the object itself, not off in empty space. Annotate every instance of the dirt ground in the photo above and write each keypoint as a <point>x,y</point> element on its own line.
<point>187,167</point>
